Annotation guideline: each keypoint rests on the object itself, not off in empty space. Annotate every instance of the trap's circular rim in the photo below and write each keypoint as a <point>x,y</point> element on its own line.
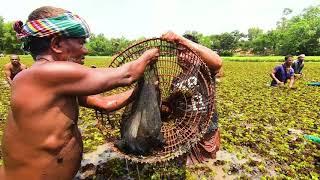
<point>161,157</point>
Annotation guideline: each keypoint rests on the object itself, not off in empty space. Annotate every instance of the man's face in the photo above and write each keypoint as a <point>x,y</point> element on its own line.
<point>15,60</point>
<point>75,50</point>
<point>289,61</point>
<point>184,58</point>
<point>301,58</point>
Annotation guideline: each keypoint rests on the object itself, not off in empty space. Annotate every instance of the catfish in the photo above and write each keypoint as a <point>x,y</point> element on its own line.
<point>141,122</point>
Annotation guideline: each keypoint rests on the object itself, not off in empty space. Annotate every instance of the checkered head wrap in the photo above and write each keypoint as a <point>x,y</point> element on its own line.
<point>67,24</point>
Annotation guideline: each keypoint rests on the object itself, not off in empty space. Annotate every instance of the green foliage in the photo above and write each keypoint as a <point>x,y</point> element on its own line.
<point>8,41</point>
<point>295,35</point>
<point>228,43</point>
<point>259,118</point>
<point>254,33</point>
<point>300,34</point>
<point>101,46</point>
<point>267,58</point>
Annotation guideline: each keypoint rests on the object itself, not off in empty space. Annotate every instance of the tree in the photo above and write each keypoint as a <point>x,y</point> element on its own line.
<point>206,41</point>
<point>195,34</point>
<point>301,33</point>
<point>295,35</point>
<point>229,42</point>
<point>98,45</point>
<point>11,45</point>
<point>119,44</point>
<point>101,46</point>
<point>1,35</point>
<point>253,33</point>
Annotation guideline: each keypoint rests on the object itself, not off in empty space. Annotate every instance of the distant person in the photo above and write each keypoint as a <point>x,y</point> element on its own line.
<point>282,73</point>
<point>13,68</point>
<point>298,65</point>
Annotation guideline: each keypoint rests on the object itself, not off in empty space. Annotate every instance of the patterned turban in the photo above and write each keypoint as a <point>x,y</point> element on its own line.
<point>66,25</point>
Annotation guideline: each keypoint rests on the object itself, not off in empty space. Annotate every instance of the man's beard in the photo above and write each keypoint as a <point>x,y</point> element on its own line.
<point>15,63</point>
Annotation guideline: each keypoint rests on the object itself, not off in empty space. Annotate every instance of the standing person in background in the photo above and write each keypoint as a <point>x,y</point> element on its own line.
<point>13,68</point>
<point>298,65</point>
<point>282,73</point>
<point>208,146</point>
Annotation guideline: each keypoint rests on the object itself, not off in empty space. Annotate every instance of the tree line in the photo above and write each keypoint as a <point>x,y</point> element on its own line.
<point>292,35</point>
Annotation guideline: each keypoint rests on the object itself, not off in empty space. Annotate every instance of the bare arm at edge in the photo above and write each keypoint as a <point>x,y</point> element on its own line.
<point>67,78</point>
<point>212,59</point>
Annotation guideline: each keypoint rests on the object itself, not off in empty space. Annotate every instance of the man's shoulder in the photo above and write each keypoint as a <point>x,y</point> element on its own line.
<point>55,65</point>
<point>8,65</point>
<point>48,70</point>
<point>278,67</point>
<point>45,71</point>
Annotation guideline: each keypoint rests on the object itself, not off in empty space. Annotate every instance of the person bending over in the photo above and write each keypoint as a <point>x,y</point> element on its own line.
<point>13,68</point>
<point>282,73</point>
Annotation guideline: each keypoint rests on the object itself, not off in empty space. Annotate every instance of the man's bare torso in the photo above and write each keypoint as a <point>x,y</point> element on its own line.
<point>14,69</point>
<point>41,140</point>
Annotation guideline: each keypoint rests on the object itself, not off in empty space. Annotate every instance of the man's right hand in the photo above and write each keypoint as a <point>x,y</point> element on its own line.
<point>151,55</point>
<point>172,37</point>
<point>279,83</point>
<point>136,68</point>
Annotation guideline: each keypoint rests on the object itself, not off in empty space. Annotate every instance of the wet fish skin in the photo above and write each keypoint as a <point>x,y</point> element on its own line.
<point>140,131</point>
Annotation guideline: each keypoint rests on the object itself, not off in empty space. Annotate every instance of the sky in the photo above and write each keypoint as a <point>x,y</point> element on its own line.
<point>133,19</point>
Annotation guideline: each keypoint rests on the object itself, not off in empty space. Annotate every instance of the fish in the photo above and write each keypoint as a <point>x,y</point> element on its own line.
<point>141,122</point>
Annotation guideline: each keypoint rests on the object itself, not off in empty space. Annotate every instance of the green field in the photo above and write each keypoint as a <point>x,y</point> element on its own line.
<point>262,126</point>
<point>96,59</point>
<point>268,58</point>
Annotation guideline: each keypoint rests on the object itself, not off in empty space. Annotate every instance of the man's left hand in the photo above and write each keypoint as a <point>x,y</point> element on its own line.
<point>172,37</point>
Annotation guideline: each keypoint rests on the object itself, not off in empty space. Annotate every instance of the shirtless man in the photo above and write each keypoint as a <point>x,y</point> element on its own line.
<point>13,68</point>
<point>41,139</point>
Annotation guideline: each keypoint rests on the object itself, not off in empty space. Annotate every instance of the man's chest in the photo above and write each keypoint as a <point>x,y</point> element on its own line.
<point>15,70</point>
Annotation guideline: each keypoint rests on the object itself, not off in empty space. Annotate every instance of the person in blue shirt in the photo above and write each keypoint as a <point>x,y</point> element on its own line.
<point>282,73</point>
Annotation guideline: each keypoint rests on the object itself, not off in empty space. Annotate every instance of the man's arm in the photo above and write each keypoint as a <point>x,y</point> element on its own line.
<point>294,67</point>
<point>291,78</point>
<point>291,82</point>
<point>212,59</point>
<point>67,78</point>
<point>273,76</point>
<point>301,67</point>
<point>107,103</point>
<point>7,73</point>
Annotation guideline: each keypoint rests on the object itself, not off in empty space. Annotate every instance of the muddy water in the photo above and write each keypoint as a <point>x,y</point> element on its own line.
<point>92,160</point>
<point>225,166</point>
